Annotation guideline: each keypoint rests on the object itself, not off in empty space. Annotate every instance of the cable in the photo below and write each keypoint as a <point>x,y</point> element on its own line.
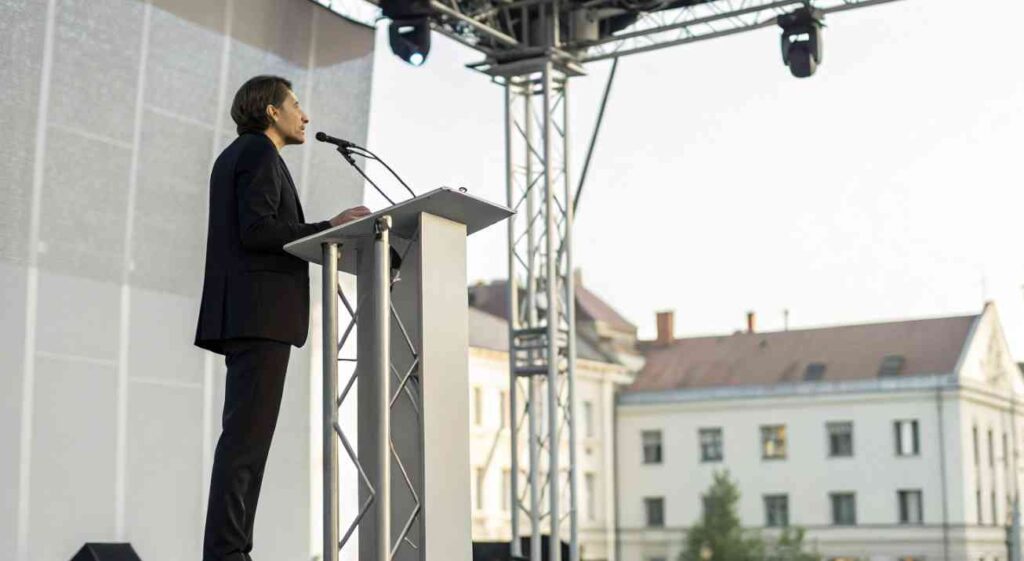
<point>347,154</point>
<point>383,163</point>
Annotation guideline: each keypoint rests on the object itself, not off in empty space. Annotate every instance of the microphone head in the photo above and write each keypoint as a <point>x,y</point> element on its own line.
<point>321,136</point>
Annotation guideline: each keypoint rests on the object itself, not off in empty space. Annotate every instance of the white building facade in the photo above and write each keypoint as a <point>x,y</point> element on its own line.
<point>885,442</point>
<point>599,375</point>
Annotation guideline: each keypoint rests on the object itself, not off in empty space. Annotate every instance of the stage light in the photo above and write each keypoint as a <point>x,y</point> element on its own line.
<point>410,40</point>
<point>409,32</point>
<point>801,40</point>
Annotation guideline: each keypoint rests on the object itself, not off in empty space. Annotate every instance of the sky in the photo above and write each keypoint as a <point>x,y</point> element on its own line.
<point>887,186</point>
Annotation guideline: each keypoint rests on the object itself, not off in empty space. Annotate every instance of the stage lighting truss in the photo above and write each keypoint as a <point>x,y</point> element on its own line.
<point>593,30</point>
<point>541,296</point>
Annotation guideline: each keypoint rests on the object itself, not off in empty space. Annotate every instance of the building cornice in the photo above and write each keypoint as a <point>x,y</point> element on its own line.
<point>798,389</point>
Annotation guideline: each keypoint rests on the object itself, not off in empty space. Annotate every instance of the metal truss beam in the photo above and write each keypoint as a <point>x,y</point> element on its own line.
<point>541,296</point>
<point>490,28</point>
<point>663,29</point>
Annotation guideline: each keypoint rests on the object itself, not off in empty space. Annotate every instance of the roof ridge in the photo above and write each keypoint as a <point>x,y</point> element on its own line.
<point>818,328</point>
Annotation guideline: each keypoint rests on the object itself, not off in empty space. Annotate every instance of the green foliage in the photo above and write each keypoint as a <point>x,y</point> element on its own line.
<point>790,547</point>
<point>718,536</point>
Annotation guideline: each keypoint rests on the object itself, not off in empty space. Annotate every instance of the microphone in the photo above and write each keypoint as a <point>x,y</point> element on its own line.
<point>340,143</point>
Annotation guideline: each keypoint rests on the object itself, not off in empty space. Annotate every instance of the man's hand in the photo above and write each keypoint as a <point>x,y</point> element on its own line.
<point>349,215</point>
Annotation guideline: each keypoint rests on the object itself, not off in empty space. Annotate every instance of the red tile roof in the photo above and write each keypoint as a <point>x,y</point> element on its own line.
<point>492,298</point>
<point>928,346</point>
<point>590,306</point>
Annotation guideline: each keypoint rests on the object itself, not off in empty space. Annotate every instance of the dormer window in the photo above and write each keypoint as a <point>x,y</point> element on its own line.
<point>892,365</point>
<point>815,371</point>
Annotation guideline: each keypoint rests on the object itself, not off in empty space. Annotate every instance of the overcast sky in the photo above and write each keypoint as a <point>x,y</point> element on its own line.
<point>887,186</point>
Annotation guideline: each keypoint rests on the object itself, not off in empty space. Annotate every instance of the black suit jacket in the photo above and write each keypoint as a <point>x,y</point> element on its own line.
<point>252,288</point>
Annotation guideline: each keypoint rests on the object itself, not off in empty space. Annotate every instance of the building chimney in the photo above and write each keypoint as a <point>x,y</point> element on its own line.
<point>666,327</point>
<point>751,322</point>
<point>577,277</point>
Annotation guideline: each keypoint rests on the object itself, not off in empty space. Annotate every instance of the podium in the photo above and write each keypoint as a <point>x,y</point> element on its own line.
<point>411,375</point>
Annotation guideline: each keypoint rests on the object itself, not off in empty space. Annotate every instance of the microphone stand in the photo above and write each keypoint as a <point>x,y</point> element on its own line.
<point>347,151</point>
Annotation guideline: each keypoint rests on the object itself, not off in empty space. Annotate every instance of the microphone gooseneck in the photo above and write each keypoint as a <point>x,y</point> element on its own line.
<point>347,149</point>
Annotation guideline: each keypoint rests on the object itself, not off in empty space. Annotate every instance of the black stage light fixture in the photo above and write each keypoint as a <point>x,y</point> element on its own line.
<point>409,32</point>
<point>801,40</point>
<point>410,39</point>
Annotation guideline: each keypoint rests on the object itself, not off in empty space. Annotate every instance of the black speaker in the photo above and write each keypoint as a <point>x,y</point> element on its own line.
<point>106,552</point>
<point>499,551</point>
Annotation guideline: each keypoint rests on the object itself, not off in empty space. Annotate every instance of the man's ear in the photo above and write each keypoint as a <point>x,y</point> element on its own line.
<point>272,113</point>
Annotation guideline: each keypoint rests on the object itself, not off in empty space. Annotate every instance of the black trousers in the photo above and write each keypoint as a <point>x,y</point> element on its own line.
<point>252,399</point>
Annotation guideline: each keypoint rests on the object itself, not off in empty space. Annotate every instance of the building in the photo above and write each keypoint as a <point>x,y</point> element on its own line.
<point>885,441</point>
<point>604,364</point>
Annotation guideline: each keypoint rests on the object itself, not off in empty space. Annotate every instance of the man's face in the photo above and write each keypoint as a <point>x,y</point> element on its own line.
<point>289,120</point>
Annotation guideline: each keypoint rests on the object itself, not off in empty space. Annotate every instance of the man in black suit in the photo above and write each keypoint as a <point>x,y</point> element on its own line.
<point>255,302</point>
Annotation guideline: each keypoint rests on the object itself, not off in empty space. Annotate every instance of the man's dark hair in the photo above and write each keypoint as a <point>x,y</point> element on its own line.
<point>249,109</point>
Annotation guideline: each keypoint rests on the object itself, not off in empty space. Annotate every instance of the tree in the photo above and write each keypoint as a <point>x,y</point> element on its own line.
<point>790,547</point>
<point>718,536</point>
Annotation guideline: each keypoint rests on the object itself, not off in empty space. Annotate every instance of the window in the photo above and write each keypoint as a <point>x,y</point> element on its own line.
<point>654,508</point>
<point>907,443</point>
<point>773,442</point>
<point>479,488</point>
<point>814,372</point>
<point>589,489</point>
<point>840,439</point>
<point>991,450</point>
<point>910,507</point>
<point>652,446</point>
<point>588,418</point>
<point>776,511</point>
<point>995,516</point>
<point>710,445</point>
<point>1006,452</point>
<point>844,509</point>
<point>891,365</point>
<point>503,402</point>
<point>977,499</point>
<point>478,407</point>
<point>974,435</point>
<point>506,488</point>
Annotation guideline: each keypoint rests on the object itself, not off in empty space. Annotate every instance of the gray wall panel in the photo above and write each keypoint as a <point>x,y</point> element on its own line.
<point>171,199</point>
<point>159,323</point>
<point>164,463</point>
<point>12,320</point>
<point>276,31</point>
<point>183,66</point>
<point>78,317</point>
<point>338,76</point>
<point>73,457</point>
<point>172,407</point>
<point>96,65</point>
<point>84,198</point>
<point>21,53</point>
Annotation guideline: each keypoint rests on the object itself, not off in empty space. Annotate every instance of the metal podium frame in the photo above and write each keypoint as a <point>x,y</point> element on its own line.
<point>364,247</point>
